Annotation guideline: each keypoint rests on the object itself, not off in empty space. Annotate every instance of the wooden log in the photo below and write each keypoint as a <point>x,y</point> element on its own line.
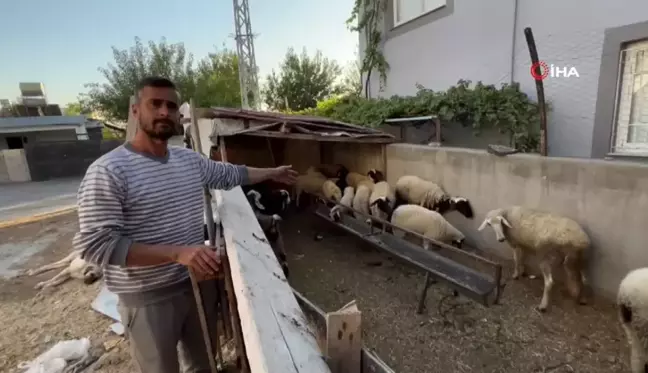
<point>275,330</point>
<point>344,339</point>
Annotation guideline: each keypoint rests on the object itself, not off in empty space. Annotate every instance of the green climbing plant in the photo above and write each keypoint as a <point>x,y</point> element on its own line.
<point>480,106</point>
<point>367,19</point>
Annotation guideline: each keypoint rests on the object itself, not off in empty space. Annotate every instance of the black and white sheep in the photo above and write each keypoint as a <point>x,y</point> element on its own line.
<point>345,202</point>
<point>632,306</point>
<point>428,223</point>
<point>271,229</point>
<point>412,189</point>
<point>267,199</point>
<point>382,201</point>
<point>549,236</point>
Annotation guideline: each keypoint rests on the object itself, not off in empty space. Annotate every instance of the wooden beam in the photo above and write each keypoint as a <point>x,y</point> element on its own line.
<point>131,128</point>
<point>275,330</point>
<point>305,136</point>
<point>344,339</point>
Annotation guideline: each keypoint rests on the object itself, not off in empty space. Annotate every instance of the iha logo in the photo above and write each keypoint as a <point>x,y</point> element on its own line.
<point>552,71</point>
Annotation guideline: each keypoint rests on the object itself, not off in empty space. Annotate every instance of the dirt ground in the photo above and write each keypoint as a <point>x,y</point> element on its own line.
<point>33,322</point>
<point>454,334</point>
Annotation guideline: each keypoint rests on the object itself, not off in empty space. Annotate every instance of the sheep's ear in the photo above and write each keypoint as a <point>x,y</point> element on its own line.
<point>483,225</point>
<point>505,222</point>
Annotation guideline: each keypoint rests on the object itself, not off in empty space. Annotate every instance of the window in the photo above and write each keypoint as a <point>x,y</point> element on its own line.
<point>631,112</point>
<point>407,10</point>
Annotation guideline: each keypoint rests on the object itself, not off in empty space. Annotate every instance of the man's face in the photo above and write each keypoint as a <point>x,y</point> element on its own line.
<point>157,112</point>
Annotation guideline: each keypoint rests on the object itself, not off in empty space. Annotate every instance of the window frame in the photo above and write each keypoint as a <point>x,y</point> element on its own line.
<point>619,143</point>
<point>442,3</point>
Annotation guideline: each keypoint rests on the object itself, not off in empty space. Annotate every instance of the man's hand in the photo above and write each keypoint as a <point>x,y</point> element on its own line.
<point>203,261</point>
<point>284,175</point>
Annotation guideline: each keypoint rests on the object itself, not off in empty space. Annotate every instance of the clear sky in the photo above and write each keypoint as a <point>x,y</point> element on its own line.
<point>61,43</point>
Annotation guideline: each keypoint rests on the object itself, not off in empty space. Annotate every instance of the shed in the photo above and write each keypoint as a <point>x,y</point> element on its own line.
<point>264,139</point>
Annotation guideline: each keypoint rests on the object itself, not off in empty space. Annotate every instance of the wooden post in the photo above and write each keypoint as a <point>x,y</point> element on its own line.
<point>131,128</point>
<point>235,321</point>
<point>344,339</point>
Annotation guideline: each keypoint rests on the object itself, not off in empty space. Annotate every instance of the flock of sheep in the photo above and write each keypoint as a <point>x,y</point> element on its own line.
<point>419,205</point>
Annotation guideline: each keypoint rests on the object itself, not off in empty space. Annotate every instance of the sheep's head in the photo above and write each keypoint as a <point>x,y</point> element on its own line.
<point>254,197</point>
<point>376,175</point>
<point>441,206</point>
<point>495,218</point>
<point>285,196</point>
<point>458,242</point>
<point>91,274</point>
<point>462,205</point>
<point>332,191</point>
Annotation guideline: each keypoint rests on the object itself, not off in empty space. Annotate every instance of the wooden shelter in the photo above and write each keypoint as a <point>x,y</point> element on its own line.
<point>263,139</point>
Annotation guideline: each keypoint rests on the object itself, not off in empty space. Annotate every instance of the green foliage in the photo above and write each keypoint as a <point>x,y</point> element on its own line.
<point>302,81</point>
<point>211,80</point>
<point>108,134</point>
<point>76,108</point>
<point>506,109</point>
<point>367,19</point>
<point>351,82</point>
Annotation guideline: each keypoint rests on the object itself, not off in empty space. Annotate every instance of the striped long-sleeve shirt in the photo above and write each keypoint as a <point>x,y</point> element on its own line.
<point>127,197</point>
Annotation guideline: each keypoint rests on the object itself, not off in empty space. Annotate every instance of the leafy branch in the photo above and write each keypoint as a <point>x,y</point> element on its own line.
<point>366,18</point>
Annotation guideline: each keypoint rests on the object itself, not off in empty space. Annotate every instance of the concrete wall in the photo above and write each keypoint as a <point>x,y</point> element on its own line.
<point>13,166</point>
<point>39,136</point>
<point>608,198</point>
<point>484,40</point>
<point>48,160</point>
<point>452,134</point>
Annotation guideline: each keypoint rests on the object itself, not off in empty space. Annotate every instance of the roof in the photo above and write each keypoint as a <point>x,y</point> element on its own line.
<point>42,121</point>
<point>301,127</point>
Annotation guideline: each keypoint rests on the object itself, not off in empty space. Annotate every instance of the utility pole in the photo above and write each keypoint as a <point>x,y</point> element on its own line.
<point>248,76</point>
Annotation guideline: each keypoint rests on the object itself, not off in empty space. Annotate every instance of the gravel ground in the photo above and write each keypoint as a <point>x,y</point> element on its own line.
<point>454,334</point>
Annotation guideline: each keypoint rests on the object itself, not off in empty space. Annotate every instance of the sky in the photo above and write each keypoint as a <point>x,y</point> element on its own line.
<point>62,43</point>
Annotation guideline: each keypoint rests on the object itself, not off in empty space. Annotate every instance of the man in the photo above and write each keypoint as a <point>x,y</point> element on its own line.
<point>141,219</point>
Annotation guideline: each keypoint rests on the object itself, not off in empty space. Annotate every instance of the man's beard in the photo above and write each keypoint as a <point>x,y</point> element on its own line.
<point>160,132</point>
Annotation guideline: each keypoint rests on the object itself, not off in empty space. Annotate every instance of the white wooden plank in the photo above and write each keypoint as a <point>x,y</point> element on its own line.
<point>275,331</point>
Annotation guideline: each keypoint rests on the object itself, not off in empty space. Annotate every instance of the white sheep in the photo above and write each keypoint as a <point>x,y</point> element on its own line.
<point>354,179</point>
<point>551,237</point>
<point>427,223</point>
<point>345,202</point>
<point>632,305</point>
<point>361,198</point>
<point>415,190</point>
<point>317,185</point>
<point>75,268</point>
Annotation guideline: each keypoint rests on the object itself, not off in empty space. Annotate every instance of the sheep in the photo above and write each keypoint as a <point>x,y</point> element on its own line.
<point>415,190</point>
<point>552,237</point>
<point>267,199</point>
<point>361,198</point>
<point>330,170</point>
<point>382,200</point>
<point>345,202</point>
<point>428,223</point>
<point>76,268</point>
<point>270,227</point>
<point>318,186</point>
<point>376,175</point>
<point>632,307</point>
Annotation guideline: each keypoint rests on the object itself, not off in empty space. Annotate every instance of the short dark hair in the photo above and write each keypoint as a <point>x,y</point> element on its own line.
<point>155,81</point>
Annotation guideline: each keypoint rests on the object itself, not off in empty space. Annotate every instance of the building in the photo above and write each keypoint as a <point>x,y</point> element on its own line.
<point>602,112</point>
<point>16,132</point>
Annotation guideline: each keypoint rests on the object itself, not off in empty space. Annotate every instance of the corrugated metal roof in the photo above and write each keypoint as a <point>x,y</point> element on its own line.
<point>53,120</point>
<point>268,124</point>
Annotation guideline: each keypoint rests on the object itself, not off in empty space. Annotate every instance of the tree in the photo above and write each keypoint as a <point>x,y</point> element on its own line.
<point>302,81</point>
<point>217,82</point>
<point>172,61</point>
<point>77,108</point>
<point>352,79</point>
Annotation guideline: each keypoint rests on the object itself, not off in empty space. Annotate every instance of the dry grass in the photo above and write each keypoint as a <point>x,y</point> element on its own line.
<point>455,334</point>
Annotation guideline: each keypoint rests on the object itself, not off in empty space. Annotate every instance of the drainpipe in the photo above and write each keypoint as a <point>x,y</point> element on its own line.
<point>513,38</point>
